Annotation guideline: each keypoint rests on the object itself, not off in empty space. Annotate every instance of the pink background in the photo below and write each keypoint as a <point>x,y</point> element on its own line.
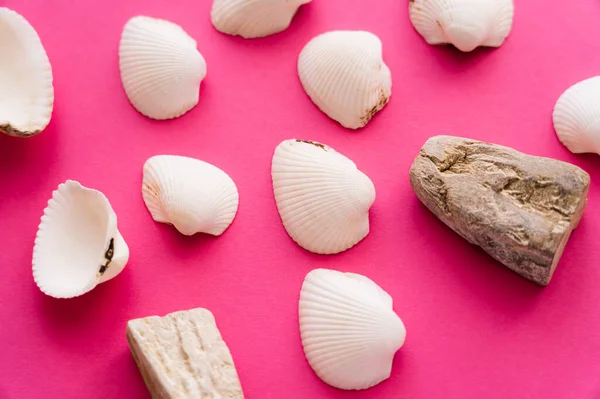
<point>475,329</point>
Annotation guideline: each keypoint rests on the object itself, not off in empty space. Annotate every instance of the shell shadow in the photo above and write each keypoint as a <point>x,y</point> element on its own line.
<point>479,276</point>
<point>186,247</point>
<point>67,318</point>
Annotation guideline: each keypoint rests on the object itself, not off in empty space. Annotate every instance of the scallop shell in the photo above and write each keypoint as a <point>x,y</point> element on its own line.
<point>161,68</point>
<point>576,117</point>
<point>466,24</point>
<point>321,196</point>
<point>192,195</point>
<point>349,330</point>
<point>343,73</point>
<point>77,245</point>
<point>27,96</point>
<point>253,18</point>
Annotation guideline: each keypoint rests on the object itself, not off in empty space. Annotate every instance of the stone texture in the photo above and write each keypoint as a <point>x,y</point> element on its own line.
<point>183,355</point>
<point>519,208</point>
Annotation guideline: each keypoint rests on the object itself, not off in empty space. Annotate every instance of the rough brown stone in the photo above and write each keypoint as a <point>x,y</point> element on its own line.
<point>519,208</point>
<point>183,355</point>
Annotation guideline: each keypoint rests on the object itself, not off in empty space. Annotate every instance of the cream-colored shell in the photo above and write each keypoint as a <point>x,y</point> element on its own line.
<point>466,24</point>
<point>192,195</point>
<point>576,116</point>
<point>348,328</point>
<point>78,245</point>
<point>26,90</point>
<point>253,18</point>
<point>161,68</point>
<point>343,73</point>
<point>322,197</point>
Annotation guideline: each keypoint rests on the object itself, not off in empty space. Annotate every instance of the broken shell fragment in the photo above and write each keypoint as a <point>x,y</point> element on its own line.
<point>343,73</point>
<point>161,69</point>
<point>27,93</point>
<point>183,355</point>
<point>348,328</point>
<point>519,208</point>
<point>77,245</point>
<point>192,195</point>
<point>322,197</point>
<point>253,18</point>
<point>466,24</point>
<point>576,117</point>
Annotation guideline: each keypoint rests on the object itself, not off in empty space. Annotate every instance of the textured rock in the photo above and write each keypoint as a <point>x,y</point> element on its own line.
<point>183,355</point>
<point>519,208</point>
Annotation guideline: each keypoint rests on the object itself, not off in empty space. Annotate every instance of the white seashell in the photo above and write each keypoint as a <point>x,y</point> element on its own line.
<point>321,196</point>
<point>27,94</point>
<point>77,245</point>
<point>161,68</point>
<point>349,330</point>
<point>192,195</point>
<point>253,18</point>
<point>576,117</point>
<point>343,73</point>
<point>466,24</point>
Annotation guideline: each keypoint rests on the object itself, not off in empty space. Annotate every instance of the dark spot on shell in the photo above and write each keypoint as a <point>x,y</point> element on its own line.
<point>108,255</point>
<point>11,131</point>
<point>321,146</point>
<point>383,100</point>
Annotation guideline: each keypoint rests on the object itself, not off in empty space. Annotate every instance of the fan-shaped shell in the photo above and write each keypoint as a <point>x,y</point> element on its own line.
<point>161,69</point>
<point>253,18</point>
<point>77,245</point>
<point>27,97</point>
<point>192,195</point>
<point>321,196</point>
<point>343,73</point>
<point>466,24</point>
<point>348,328</point>
<point>576,116</point>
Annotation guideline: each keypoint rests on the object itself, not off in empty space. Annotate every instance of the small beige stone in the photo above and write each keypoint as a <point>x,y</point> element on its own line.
<point>182,355</point>
<point>521,209</point>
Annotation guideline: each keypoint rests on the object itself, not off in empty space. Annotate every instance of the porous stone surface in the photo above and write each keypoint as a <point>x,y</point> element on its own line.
<point>182,355</point>
<point>519,208</point>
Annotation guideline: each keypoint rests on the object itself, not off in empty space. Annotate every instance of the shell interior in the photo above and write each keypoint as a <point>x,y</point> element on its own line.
<point>576,116</point>
<point>343,73</point>
<point>348,328</point>
<point>253,18</point>
<point>161,68</point>
<point>27,96</point>
<point>192,195</point>
<point>321,196</point>
<point>77,245</point>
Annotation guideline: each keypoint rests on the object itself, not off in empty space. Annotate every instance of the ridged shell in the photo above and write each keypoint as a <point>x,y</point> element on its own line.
<point>321,196</point>
<point>161,69</point>
<point>192,195</point>
<point>253,18</point>
<point>343,73</point>
<point>77,245</point>
<point>576,116</point>
<point>27,93</point>
<point>466,24</point>
<point>348,328</point>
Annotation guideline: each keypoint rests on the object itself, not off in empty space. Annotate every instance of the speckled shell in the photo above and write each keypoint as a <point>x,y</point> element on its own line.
<point>161,69</point>
<point>576,116</point>
<point>322,197</point>
<point>466,24</point>
<point>343,73</point>
<point>349,330</point>
<point>253,18</point>
<point>192,195</point>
